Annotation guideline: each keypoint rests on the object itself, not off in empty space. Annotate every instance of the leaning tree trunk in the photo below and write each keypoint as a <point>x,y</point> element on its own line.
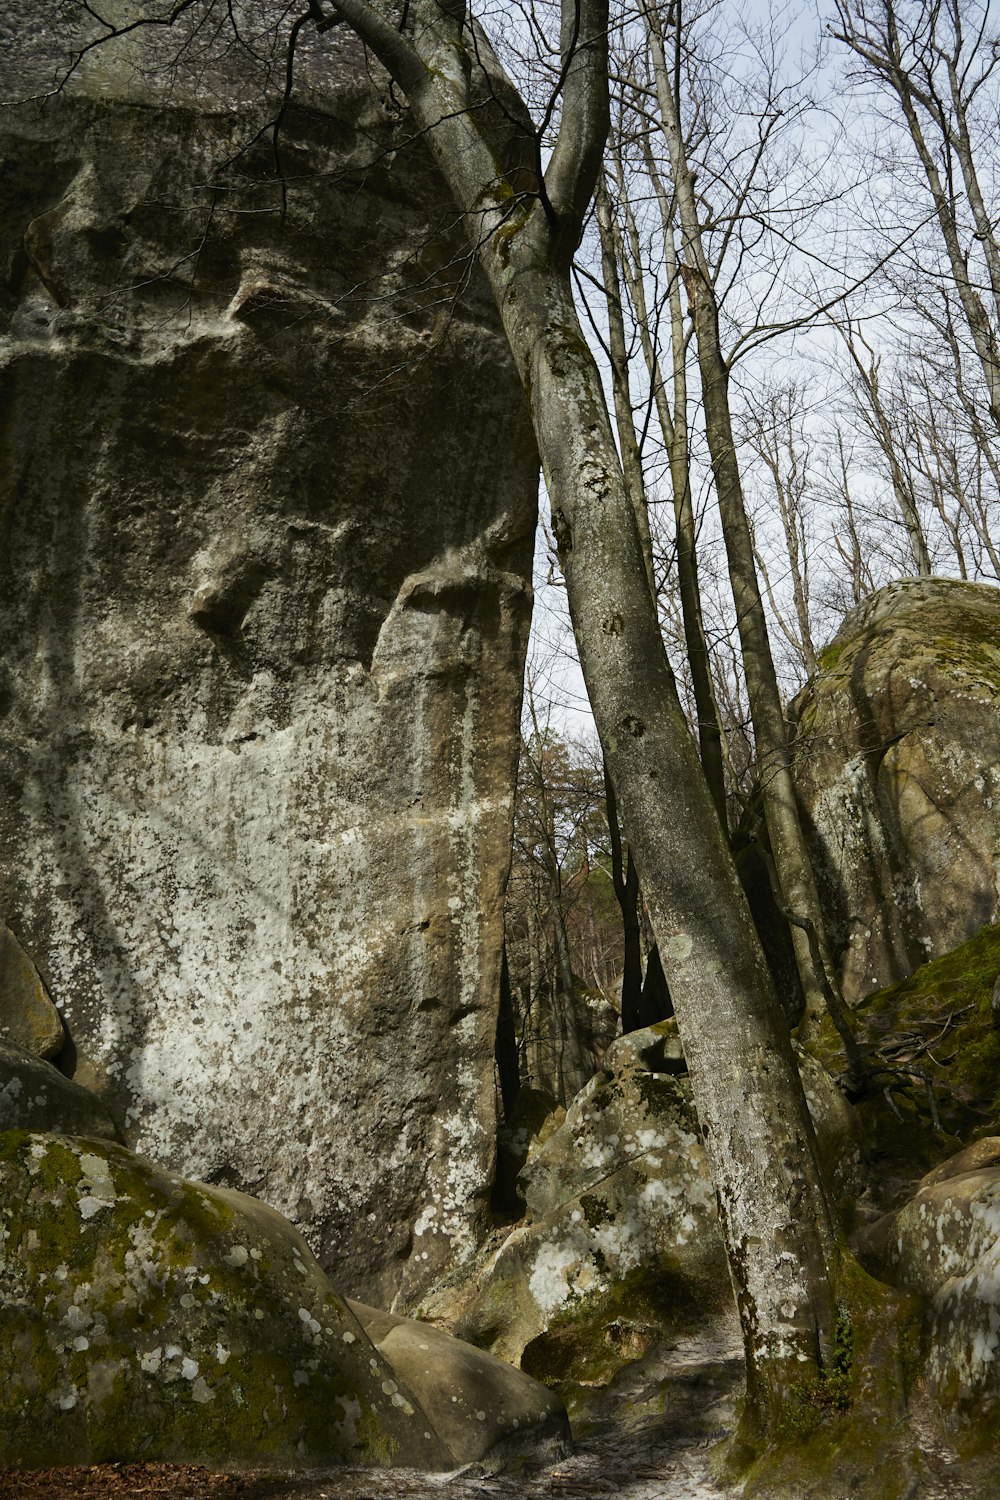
<point>784,1258</point>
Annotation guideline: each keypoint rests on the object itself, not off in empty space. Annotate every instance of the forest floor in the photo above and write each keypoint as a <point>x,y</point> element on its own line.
<point>646,1437</point>
<point>649,1435</point>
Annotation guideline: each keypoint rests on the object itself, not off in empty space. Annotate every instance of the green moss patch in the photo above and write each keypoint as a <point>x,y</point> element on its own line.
<point>146,1316</point>
<point>588,1345</point>
<point>935,1055</point>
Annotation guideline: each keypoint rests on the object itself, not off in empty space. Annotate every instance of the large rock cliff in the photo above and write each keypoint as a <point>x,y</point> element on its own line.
<point>266,500</point>
<point>896,764</point>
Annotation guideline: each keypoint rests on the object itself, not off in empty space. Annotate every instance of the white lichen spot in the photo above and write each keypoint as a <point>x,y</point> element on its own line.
<point>237,1257</point>
<point>189,1369</point>
<point>549,1281</point>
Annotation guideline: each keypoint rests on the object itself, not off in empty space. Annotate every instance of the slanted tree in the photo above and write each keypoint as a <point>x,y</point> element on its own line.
<point>794,1281</point>
<point>525,222</point>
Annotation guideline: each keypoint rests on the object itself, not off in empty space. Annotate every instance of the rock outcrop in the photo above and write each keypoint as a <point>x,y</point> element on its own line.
<point>945,1244</point>
<point>619,1200</point>
<point>267,497</point>
<point>896,766</point>
<point>620,1248</point>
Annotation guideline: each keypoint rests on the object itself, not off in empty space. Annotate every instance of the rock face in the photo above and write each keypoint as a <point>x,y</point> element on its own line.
<point>267,499</point>
<point>144,1316</point>
<point>945,1244</point>
<point>896,765</point>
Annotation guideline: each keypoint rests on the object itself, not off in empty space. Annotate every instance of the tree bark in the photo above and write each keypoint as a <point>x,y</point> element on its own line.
<point>625,880</point>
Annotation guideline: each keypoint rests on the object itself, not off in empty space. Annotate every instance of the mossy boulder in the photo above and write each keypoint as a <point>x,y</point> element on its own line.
<point>35,1096</point>
<point>896,768</point>
<point>934,1051</point>
<point>27,1015</point>
<point>481,1407</point>
<point>622,1188</point>
<point>143,1316</point>
<point>945,1245</point>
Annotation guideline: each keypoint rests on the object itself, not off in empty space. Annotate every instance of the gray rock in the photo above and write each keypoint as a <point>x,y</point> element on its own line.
<point>896,765</point>
<point>621,1226</point>
<point>147,1317</point>
<point>481,1408</point>
<point>620,1193</point>
<point>267,493</point>
<point>657,1049</point>
<point>27,1015</point>
<point>35,1096</point>
<point>945,1244</point>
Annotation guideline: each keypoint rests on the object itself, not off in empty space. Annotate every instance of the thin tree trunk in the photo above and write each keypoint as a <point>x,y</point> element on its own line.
<point>618,348</point>
<point>783,1254</point>
<point>788,845</point>
<point>673,425</point>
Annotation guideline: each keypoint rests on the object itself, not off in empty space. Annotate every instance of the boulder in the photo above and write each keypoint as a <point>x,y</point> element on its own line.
<point>27,1015</point>
<point>896,768</point>
<point>267,494</point>
<point>945,1244</point>
<point>144,1316</point>
<point>480,1407</point>
<point>621,1246</point>
<point>619,1200</point>
<point>35,1096</point>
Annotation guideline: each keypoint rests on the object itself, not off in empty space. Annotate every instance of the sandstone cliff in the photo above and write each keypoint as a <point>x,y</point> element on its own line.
<point>266,499</point>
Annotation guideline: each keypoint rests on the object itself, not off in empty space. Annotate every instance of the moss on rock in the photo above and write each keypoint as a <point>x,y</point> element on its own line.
<point>147,1316</point>
<point>935,1050</point>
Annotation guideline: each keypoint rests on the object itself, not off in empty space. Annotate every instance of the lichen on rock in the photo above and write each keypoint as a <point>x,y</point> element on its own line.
<point>147,1316</point>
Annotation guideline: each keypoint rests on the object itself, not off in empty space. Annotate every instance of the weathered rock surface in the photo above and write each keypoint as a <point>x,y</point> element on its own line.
<point>35,1096</point>
<point>896,765</point>
<point>480,1407</point>
<point>945,1244</point>
<point>267,495</point>
<point>27,1015</point>
<point>621,1245</point>
<point>145,1316</point>
<point>618,1196</point>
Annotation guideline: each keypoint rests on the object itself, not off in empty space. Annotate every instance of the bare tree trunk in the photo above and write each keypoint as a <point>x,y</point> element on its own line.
<point>881,429</point>
<point>799,897</point>
<point>673,425</point>
<point>783,1254</point>
<point>618,349</point>
<point>625,879</point>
